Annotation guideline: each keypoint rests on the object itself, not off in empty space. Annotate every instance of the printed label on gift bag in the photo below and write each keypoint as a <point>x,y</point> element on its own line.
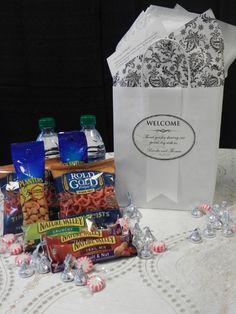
<point>164,137</point>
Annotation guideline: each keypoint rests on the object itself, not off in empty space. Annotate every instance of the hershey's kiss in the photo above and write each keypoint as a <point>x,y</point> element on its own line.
<point>145,251</point>
<point>25,270</point>
<point>195,236</point>
<point>80,278</point>
<point>43,265</point>
<point>209,232</point>
<point>196,212</point>
<point>67,274</point>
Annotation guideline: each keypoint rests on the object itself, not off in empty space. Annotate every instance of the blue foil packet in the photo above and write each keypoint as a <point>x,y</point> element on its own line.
<point>73,147</point>
<point>28,160</point>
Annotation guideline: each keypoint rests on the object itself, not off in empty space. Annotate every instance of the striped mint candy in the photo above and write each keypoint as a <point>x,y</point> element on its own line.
<point>9,238</point>
<point>95,283</point>
<point>15,248</point>
<point>21,258</point>
<point>158,247</point>
<point>204,208</point>
<point>3,247</point>
<point>85,262</point>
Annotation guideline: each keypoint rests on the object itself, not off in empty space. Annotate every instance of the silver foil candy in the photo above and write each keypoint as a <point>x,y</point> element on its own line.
<point>25,270</point>
<point>145,251</point>
<point>67,274</point>
<point>80,277</point>
<point>195,236</point>
<point>196,212</point>
<point>209,232</point>
<point>43,265</point>
<point>35,256</point>
<point>137,239</point>
<point>131,210</point>
<point>227,231</point>
<point>148,236</point>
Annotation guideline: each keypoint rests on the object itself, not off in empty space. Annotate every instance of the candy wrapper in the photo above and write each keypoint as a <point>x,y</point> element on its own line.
<point>50,195</point>
<point>28,159</point>
<point>85,188</point>
<point>97,250</point>
<point>34,232</point>
<point>82,235</point>
<point>73,147</point>
<point>72,228</point>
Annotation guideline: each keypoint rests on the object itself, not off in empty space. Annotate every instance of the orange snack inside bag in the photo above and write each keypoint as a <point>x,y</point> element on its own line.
<point>85,188</point>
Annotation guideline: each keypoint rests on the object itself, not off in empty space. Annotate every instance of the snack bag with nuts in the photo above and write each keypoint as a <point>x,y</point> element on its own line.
<point>28,159</point>
<point>97,249</point>
<point>73,147</point>
<point>10,199</point>
<point>85,188</point>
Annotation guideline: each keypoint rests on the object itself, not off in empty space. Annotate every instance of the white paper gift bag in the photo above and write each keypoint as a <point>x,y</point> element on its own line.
<point>167,111</point>
<point>167,102</point>
<point>165,147</point>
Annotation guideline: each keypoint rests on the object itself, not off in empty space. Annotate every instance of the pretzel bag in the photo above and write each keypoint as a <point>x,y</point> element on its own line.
<point>86,188</point>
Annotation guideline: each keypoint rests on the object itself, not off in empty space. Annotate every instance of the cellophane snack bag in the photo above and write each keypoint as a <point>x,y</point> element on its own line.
<point>28,160</point>
<point>81,226</point>
<point>85,188</point>
<point>10,202</point>
<point>73,147</point>
<point>10,198</point>
<point>51,196</point>
<point>98,249</point>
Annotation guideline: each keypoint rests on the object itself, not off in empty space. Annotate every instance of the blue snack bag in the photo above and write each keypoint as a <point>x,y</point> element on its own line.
<point>73,147</point>
<point>28,160</point>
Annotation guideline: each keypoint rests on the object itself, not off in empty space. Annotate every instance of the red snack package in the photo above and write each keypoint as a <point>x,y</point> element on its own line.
<point>100,249</point>
<point>85,188</point>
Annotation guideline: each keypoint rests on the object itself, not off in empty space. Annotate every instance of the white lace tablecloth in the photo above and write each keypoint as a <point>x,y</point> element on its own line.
<point>187,278</point>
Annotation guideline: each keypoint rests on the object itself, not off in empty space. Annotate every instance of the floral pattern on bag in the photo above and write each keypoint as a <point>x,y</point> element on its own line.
<point>165,63</point>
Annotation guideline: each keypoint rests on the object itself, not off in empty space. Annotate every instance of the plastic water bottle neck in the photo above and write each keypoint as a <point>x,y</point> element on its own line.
<point>47,131</point>
<point>88,127</point>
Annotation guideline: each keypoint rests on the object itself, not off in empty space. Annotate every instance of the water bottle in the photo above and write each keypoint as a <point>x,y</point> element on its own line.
<point>96,147</point>
<point>49,137</point>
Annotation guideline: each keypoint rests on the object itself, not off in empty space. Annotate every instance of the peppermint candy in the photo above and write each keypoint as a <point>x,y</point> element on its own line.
<point>158,247</point>
<point>204,208</point>
<point>15,248</point>
<point>3,248</point>
<point>85,262</point>
<point>9,238</point>
<point>22,258</point>
<point>95,283</point>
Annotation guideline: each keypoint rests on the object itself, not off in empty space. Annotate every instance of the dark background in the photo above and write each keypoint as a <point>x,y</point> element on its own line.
<point>53,63</point>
